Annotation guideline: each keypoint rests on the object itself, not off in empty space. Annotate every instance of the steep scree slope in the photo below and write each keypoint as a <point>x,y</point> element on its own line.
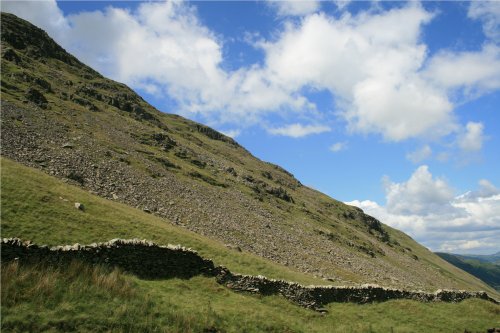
<point>62,117</point>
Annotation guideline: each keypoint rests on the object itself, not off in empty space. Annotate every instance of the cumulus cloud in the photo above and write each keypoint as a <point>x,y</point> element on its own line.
<point>419,155</point>
<point>338,146</point>
<point>371,68</point>
<point>295,7</point>
<point>299,130</point>
<point>382,78</point>
<point>422,194</point>
<point>479,71</point>
<point>472,138</point>
<point>489,13</point>
<point>45,14</point>
<point>428,209</point>
<point>161,46</point>
<point>486,190</point>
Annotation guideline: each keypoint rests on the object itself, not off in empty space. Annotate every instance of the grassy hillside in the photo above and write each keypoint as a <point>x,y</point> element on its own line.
<point>41,208</point>
<point>97,299</point>
<point>65,119</point>
<point>486,269</point>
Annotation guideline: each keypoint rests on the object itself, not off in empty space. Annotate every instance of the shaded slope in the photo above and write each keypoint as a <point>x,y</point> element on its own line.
<point>482,269</point>
<point>62,117</point>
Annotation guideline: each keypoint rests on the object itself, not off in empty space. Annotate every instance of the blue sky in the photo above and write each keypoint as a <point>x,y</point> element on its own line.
<point>390,106</point>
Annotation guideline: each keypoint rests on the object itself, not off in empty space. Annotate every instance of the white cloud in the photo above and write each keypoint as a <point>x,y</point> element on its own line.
<point>421,194</point>
<point>370,67</point>
<point>162,45</point>
<point>45,14</point>
<point>465,246</point>
<point>163,48</point>
<point>428,209</point>
<point>419,155</point>
<point>295,7</point>
<point>472,138</point>
<point>489,13</point>
<point>299,130</point>
<point>232,133</point>
<point>486,189</point>
<point>382,78</point>
<point>342,4</point>
<point>479,71</point>
<point>338,146</point>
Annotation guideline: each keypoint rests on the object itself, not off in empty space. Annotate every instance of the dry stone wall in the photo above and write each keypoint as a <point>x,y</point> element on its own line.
<point>149,260</point>
<point>315,297</point>
<point>142,258</point>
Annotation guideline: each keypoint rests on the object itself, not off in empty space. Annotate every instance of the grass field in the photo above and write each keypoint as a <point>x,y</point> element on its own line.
<point>40,208</point>
<point>99,299</point>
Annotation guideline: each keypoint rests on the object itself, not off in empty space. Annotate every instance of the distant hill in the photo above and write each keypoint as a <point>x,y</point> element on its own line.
<point>484,267</point>
<point>68,121</point>
<point>491,258</point>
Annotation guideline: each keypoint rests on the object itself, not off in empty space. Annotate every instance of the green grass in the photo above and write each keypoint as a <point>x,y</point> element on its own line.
<point>82,298</point>
<point>40,208</point>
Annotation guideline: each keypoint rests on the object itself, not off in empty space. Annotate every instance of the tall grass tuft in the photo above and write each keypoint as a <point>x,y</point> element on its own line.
<point>77,296</point>
<point>46,284</point>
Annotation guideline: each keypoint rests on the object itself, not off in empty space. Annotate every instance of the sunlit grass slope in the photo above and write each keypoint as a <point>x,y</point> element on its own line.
<point>41,208</point>
<point>98,299</point>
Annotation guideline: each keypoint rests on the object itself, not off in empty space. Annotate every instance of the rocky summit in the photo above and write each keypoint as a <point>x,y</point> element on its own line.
<point>62,117</point>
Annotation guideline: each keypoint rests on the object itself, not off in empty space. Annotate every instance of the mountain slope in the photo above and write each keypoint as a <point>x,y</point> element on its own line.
<point>97,299</point>
<point>65,119</point>
<point>28,194</point>
<point>486,269</point>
